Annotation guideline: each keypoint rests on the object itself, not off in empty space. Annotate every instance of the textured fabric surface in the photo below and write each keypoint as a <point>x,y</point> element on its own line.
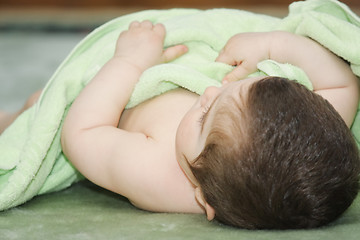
<point>86,212</point>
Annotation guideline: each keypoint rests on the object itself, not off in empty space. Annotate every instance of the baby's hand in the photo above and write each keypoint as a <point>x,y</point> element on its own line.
<point>142,45</point>
<point>244,51</point>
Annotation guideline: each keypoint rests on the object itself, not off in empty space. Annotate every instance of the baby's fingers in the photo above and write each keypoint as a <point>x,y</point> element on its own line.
<point>134,24</point>
<point>225,58</point>
<point>160,29</point>
<point>240,72</point>
<point>174,52</point>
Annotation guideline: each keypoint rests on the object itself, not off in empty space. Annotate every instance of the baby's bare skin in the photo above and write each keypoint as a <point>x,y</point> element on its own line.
<point>138,157</point>
<point>163,182</point>
<point>137,152</point>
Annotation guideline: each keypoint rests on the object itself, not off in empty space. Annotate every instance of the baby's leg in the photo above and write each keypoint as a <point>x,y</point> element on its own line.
<point>6,119</point>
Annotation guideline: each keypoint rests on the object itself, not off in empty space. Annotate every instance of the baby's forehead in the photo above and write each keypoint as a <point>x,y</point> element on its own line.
<point>235,93</point>
<point>232,101</point>
<point>229,103</point>
<point>228,116</point>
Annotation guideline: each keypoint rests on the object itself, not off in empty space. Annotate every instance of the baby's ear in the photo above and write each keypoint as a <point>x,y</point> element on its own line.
<point>210,211</point>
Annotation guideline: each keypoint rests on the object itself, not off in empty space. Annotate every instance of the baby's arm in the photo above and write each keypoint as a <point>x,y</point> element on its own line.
<point>331,77</point>
<point>106,155</point>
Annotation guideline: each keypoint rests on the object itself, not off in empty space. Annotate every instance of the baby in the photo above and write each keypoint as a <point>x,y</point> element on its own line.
<point>256,153</point>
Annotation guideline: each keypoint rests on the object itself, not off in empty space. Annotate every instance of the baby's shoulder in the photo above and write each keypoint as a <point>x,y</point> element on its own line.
<point>159,117</point>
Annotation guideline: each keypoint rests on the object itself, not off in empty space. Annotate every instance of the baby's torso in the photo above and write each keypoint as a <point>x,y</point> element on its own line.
<point>159,118</point>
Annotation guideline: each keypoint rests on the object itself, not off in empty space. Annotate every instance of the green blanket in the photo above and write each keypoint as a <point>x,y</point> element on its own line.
<point>31,160</point>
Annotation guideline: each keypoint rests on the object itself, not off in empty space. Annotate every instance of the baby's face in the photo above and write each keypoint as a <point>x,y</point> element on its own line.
<point>196,124</point>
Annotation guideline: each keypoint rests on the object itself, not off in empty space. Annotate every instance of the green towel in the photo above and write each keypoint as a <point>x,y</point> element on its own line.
<point>31,160</point>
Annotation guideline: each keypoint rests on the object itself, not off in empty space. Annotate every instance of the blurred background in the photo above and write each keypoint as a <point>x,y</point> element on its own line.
<point>75,14</point>
<point>36,35</point>
<point>88,13</point>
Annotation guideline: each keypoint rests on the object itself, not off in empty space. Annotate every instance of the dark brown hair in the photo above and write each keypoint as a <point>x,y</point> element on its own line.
<point>282,159</point>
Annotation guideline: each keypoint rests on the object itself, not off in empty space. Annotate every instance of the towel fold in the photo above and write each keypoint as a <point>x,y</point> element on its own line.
<point>31,159</point>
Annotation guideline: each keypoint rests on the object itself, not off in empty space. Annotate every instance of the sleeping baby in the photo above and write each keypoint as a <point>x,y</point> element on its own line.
<point>255,153</point>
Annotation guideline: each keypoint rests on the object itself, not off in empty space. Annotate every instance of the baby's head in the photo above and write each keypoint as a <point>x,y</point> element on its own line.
<point>271,154</point>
